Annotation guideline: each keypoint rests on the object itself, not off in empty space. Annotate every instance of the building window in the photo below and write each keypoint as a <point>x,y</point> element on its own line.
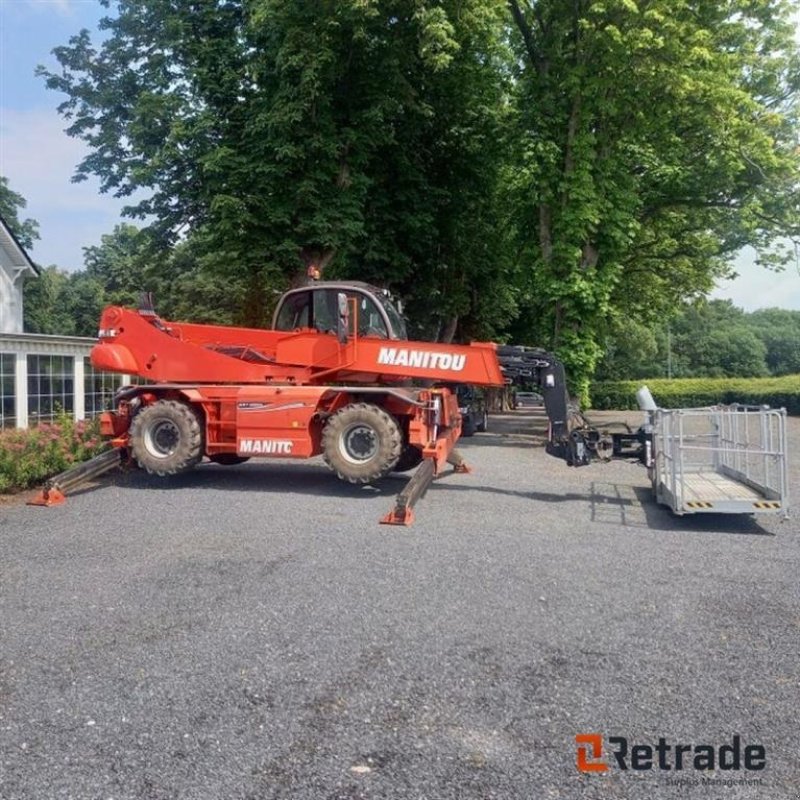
<point>99,388</point>
<point>51,387</point>
<point>8,418</point>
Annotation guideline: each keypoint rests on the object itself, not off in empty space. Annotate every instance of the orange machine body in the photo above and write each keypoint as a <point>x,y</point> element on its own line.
<point>186,353</point>
<point>268,393</point>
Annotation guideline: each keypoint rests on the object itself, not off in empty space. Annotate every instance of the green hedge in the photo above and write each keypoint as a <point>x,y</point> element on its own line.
<point>697,392</point>
<point>29,457</point>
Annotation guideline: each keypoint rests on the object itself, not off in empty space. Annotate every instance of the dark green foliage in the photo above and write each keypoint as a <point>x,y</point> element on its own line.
<point>699,392</point>
<point>30,456</point>
<point>62,303</point>
<point>187,283</point>
<point>543,172</point>
<point>655,139</point>
<point>713,339</point>
<point>366,136</point>
<point>779,330</point>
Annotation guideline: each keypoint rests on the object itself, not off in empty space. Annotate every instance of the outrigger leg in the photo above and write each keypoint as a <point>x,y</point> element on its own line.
<point>53,492</point>
<point>403,511</point>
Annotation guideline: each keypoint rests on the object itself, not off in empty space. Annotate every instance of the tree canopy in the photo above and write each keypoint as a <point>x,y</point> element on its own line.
<point>656,138</point>
<point>11,204</point>
<point>714,339</point>
<point>535,170</point>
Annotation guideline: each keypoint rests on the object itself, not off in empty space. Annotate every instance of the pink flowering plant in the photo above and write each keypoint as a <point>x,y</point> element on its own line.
<point>29,457</point>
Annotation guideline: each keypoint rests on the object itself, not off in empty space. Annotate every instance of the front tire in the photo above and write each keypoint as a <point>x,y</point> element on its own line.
<point>483,425</point>
<point>166,438</point>
<point>361,443</point>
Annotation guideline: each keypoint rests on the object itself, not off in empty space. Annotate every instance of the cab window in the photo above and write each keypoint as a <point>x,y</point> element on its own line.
<point>326,310</point>
<point>295,312</point>
<point>370,319</point>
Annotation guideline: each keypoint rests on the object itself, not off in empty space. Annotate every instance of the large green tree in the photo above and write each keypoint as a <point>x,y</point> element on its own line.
<point>289,133</point>
<point>571,164</point>
<point>656,138</point>
<point>706,339</point>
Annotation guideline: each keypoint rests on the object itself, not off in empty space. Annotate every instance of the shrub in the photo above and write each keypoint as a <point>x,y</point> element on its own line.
<point>698,392</point>
<point>29,457</point>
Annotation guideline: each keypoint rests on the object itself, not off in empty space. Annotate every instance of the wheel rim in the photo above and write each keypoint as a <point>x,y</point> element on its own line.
<point>162,438</point>
<point>359,443</point>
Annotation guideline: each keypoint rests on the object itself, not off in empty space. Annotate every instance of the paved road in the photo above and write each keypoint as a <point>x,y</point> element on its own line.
<point>250,632</point>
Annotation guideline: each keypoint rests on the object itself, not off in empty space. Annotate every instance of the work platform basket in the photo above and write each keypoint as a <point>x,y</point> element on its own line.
<point>728,459</point>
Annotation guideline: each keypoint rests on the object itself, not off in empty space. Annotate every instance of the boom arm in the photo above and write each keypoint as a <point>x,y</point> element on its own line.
<point>142,344</point>
<point>571,437</point>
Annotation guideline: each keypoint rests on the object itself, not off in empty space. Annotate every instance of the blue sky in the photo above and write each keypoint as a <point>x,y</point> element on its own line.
<point>39,159</point>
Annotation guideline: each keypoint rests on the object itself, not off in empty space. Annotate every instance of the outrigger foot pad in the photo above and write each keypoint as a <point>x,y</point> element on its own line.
<point>49,496</point>
<point>53,492</point>
<point>403,511</point>
<point>457,461</point>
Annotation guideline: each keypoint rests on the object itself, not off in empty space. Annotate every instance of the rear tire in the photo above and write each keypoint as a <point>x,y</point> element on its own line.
<point>166,438</point>
<point>467,425</point>
<point>361,443</point>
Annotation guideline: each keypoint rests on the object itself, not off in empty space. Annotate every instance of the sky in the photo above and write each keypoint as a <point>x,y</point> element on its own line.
<point>39,159</point>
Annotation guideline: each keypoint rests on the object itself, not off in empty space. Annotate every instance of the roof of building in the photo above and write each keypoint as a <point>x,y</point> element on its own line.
<point>16,251</point>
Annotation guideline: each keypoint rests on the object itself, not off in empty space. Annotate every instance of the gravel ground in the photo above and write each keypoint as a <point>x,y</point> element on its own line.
<point>251,632</point>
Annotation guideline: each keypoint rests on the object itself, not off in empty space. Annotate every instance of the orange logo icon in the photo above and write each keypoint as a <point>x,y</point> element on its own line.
<point>590,752</point>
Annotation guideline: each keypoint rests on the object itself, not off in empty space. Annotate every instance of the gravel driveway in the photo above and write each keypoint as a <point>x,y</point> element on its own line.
<point>251,632</point>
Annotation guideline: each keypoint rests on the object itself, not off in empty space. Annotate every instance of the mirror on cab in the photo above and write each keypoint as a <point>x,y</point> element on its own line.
<point>343,319</point>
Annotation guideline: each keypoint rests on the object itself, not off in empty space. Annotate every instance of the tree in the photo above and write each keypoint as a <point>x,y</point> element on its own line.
<point>63,303</point>
<point>708,339</point>
<point>26,231</point>
<point>539,169</point>
<point>291,133</point>
<point>779,330</point>
<point>119,264</point>
<point>655,139</point>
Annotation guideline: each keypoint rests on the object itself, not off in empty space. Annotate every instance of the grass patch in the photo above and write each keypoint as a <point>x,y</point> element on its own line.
<point>29,457</point>
<point>781,392</point>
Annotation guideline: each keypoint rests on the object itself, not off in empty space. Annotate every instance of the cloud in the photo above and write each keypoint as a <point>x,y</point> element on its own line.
<point>756,287</point>
<point>39,159</point>
<point>65,8</point>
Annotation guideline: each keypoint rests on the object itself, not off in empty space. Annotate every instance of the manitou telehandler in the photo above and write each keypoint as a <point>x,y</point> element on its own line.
<point>335,376</point>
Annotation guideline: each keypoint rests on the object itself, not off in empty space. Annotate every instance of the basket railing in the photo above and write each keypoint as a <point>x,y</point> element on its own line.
<point>744,443</point>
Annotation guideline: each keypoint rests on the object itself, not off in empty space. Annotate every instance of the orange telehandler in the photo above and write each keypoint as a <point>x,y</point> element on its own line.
<point>334,376</point>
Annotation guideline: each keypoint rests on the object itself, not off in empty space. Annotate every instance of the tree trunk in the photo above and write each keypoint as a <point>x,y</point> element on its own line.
<point>449,330</point>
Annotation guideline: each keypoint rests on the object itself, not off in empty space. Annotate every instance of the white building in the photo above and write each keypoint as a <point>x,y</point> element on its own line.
<point>41,375</point>
<point>15,268</point>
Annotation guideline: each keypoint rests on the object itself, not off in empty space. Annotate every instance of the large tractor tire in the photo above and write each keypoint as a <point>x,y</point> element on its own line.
<point>467,425</point>
<point>166,438</point>
<point>483,424</point>
<point>361,443</point>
